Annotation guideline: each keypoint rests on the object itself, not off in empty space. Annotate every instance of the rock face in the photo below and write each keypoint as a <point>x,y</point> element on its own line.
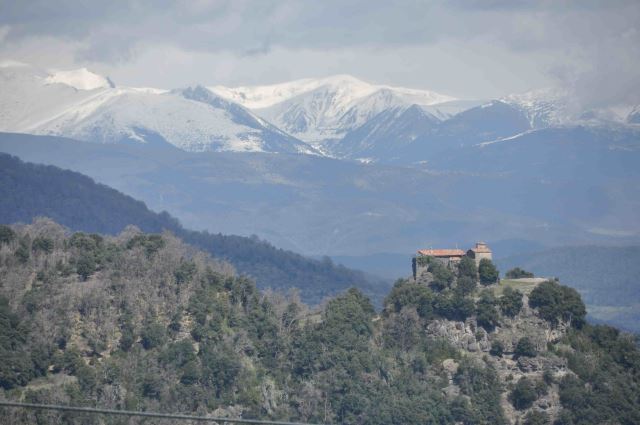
<point>464,335</point>
<point>475,341</point>
<point>527,323</point>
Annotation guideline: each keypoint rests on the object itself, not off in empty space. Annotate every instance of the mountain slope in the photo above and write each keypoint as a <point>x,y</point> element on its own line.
<point>416,135</point>
<point>74,200</point>
<point>576,187</point>
<point>383,137</point>
<point>88,107</point>
<point>325,109</point>
<point>144,322</point>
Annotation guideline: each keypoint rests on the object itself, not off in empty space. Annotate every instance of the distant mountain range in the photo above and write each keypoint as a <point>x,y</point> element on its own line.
<point>340,116</point>
<point>88,107</point>
<point>339,166</point>
<point>549,187</point>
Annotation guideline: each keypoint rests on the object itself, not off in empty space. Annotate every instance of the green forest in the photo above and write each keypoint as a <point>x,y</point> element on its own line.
<point>143,321</point>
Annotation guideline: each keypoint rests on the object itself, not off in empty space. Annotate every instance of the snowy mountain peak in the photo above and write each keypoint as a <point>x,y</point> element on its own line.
<point>543,107</point>
<point>85,106</point>
<point>81,79</point>
<point>324,109</point>
<point>347,87</point>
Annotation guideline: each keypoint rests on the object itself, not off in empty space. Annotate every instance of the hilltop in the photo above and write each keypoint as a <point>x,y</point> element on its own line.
<point>143,321</point>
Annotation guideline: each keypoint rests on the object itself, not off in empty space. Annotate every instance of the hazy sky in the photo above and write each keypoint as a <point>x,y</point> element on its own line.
<point>480,48</point>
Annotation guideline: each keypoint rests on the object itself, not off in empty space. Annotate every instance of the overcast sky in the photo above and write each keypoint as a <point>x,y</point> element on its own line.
<point>473,49</point>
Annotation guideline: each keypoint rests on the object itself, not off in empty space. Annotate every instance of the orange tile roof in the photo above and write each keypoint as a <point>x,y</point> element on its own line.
<point>442,252</point>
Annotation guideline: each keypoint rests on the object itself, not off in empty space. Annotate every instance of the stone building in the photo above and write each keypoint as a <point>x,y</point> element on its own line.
<point>449,257</point>
<point>480,251</point>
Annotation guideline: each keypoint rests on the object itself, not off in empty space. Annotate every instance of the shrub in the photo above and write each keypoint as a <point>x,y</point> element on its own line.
<point>536,417</point>
<point>525,348</point>
<point>497,349</point>
<point>523,394</point>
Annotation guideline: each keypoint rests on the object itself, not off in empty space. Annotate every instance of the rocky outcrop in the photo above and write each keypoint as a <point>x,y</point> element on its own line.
<point>464,335</point>
<point>475,341</point>
<point>527,323</point>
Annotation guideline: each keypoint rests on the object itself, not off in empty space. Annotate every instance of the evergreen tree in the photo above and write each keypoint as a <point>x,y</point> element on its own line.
<point>488,272</point>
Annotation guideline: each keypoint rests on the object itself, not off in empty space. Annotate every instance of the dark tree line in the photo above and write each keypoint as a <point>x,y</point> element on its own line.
<point>29,190</point>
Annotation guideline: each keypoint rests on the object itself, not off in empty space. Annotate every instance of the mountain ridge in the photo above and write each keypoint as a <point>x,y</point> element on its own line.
<point>30,191</point>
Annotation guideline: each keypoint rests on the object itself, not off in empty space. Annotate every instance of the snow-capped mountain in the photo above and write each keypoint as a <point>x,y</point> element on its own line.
<point>320,111</point>
<point>81,79</point>
<point>85,106</point>
<point>339,116</point>
<point>544,108</point>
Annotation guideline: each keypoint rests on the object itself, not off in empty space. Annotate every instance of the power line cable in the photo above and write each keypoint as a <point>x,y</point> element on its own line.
<point>143,414</point>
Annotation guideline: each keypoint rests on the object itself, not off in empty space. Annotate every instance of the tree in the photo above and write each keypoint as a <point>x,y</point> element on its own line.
<point>185,272</point>
<point>153,335</point>
<point>442,276</point>
<point>510,302</point>
<point>525,347</point>
<point>523,394</point>
<point>42,244</point>
<point>7,235</point>
<point>467,268</point>
<point>465,285</point>
<point>517,273</point>
<point>409,294</point>
<point>497,348</point>
<point>23,252</point>
<point>402,330</point>
<point>486,313</point>
<point>488,272</point>
<point>86,265</point>
<point>557,302</point>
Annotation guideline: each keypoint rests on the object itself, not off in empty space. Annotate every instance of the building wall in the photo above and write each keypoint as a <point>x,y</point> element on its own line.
<point>477,256</point>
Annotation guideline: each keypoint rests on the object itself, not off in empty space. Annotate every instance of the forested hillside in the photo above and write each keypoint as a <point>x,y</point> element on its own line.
<point>607,278</point>
<point>144,322</point>
<point>77,202</point>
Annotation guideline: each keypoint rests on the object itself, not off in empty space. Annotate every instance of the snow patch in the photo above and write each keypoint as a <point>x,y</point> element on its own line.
<point>81,79</point>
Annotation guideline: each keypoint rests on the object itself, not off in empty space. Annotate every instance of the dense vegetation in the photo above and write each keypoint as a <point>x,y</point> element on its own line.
<point>74,200</point>
<point>518,273</point>
<point>145,322</point>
